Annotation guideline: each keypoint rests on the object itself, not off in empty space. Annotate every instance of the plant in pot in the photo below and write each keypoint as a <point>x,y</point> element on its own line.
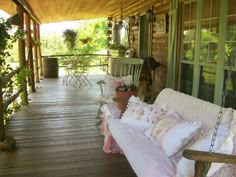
<point>123,92</point>
<point>120,48</point>
<point>70,37</point>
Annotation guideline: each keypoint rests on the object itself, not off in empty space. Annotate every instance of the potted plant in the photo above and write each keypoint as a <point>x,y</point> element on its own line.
<point>123,92</point>
<point>120,48</point>
<point>70,37</point>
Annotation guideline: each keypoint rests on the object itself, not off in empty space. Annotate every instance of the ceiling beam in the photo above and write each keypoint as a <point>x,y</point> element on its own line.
<point>27,7</point>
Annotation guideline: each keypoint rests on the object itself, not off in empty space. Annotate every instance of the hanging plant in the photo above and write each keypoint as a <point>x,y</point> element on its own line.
<point>84,41</point>
<point>109,32</point>
<point>109,24</point>
<point>70,37</point>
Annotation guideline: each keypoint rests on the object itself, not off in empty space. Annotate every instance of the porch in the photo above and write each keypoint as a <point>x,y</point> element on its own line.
<point>57,135</point>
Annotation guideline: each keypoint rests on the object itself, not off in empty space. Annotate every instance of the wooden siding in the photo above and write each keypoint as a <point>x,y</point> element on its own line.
<point>57,136</point>
<point>159,42</point>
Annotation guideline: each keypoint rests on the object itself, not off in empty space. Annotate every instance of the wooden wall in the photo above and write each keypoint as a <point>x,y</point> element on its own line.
<point>158,43</point>
<point>160,46</point>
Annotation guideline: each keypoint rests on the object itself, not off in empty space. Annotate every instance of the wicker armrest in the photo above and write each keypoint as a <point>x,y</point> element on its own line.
<point>209,156</point>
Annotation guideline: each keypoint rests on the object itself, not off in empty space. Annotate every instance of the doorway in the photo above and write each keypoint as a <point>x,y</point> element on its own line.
<point>144,37</point>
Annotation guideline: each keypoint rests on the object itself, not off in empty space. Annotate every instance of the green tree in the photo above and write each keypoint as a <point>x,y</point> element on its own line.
<point>95,31</point>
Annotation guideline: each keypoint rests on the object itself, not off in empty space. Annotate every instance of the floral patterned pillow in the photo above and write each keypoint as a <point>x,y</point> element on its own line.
<point>140,115</point>
<point>173,133</point>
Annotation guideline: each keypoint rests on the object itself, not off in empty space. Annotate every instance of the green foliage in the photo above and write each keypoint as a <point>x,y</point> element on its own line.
<point>125,88</point>
<point>53,44</point>
<point>6,43</point>
<point>95,31</point>
<point>5,27</point>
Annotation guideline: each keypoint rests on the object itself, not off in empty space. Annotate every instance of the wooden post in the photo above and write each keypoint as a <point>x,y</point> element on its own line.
<point>2,129</point>
<point>39,51</point>
<point>30,53</point>
<point>201,168</point>
<point>35,46</point>
<point>21,51</point>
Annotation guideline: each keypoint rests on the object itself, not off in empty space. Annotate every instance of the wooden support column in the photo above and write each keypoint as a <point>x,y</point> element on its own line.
<point>39,51</point>
<point>35,46</point>
<point>22,60</point>
<point>2,129</point>
<point>30,53</point>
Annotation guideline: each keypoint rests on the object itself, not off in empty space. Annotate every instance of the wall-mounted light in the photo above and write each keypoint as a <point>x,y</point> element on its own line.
<point>150,15</point>
<point>132,20</point>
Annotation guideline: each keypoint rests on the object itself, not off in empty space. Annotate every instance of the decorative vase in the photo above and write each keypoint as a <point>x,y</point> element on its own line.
<point>123,97</point>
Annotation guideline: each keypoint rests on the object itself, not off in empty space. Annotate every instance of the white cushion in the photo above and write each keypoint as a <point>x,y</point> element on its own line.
<point>173,133</point>
<point>146,158</point>
<point>113,82</point>
<point>223,144</point>
<point>139,114</point>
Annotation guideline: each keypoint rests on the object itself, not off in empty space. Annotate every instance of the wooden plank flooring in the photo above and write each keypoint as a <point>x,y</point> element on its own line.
<point>57,136</point>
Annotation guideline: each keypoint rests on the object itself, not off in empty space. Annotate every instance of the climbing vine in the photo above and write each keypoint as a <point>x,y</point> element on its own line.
<point>14,83</point>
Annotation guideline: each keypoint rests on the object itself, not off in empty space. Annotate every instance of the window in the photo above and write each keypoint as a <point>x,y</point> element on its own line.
<point>188,47</point>
<point>208,50</point>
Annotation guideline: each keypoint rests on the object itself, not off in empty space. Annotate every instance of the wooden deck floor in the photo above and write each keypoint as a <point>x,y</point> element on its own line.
<point>57,136</point>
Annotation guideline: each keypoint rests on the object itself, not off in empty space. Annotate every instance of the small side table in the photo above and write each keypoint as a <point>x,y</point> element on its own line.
<point>109,111</point>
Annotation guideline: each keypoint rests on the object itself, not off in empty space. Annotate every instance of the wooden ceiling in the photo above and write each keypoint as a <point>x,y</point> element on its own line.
<point>47,11</point>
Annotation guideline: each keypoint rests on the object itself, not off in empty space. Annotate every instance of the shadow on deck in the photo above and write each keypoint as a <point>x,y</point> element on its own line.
<point>57,136</point>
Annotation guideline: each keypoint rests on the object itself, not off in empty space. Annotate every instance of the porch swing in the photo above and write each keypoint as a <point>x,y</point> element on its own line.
<point>203,159</point>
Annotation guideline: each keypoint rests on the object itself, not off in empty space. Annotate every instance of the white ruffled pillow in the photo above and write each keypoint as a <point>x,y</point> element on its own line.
<point>140,115</point>
<point>223,144</point>
<point>112,83</point>
<point>173,133</point>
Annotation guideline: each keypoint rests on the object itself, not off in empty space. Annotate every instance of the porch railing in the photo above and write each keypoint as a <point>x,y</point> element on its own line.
<point>4,103</point>
<point>96,60</point>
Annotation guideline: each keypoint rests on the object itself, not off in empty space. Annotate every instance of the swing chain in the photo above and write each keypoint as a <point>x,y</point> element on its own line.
<point>215,130</point>
<point>219,117</point>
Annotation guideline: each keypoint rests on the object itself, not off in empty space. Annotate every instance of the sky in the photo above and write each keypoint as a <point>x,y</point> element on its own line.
<point>57,28</point>
<point>3,14</point>
<point>50,28</point>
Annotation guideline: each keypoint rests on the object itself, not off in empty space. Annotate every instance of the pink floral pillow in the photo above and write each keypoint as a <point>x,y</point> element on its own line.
<point>173,133</point>
<point>141,115</point>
